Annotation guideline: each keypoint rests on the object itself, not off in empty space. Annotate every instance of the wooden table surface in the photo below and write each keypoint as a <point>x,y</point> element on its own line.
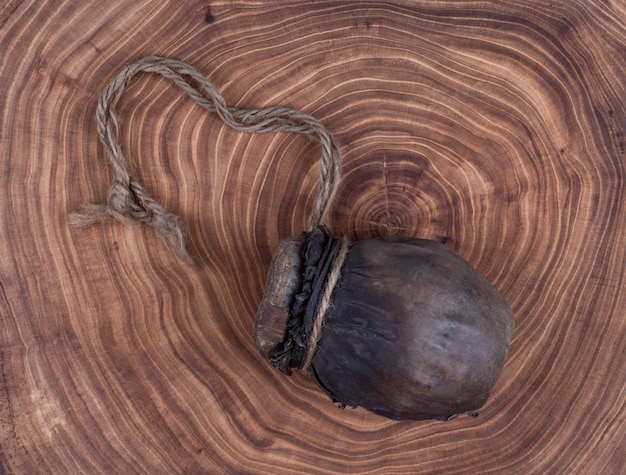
<point>496,127</point>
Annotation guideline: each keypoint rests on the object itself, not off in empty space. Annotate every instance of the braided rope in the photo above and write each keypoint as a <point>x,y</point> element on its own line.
<point>128,201</point>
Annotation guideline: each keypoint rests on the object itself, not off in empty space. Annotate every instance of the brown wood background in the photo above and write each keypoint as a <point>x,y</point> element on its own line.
<point>496,126</point>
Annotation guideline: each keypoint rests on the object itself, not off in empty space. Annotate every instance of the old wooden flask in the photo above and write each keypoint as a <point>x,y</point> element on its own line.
<point>412,330</point>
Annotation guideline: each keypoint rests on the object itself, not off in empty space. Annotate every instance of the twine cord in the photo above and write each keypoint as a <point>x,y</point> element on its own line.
<point>325,304</point>
<point>128,201</point>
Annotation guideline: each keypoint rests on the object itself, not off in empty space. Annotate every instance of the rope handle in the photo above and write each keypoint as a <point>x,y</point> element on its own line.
<point>128,200</point>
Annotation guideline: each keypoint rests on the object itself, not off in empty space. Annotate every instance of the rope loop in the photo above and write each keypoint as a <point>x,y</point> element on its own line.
<point>128,201</point>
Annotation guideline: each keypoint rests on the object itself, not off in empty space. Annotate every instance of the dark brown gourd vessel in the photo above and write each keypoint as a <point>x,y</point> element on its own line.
<point>402,327</point>
<point>412,332</point>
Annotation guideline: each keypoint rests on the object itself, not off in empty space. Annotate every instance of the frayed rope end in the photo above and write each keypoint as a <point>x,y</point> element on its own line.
<point>169,227</point>
<point>88,215</point>
<point>172,231</point>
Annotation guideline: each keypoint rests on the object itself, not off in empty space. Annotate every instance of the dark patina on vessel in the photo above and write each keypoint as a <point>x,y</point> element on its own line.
<point>413,331</point>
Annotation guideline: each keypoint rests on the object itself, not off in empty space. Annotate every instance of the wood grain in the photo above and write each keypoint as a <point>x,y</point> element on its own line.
<point>496,127</point>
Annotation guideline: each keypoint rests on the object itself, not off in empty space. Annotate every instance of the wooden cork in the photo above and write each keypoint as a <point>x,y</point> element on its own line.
<point>283,281</point>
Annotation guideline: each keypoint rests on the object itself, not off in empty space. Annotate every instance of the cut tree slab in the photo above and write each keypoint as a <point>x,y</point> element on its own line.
<point>495,127</point>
